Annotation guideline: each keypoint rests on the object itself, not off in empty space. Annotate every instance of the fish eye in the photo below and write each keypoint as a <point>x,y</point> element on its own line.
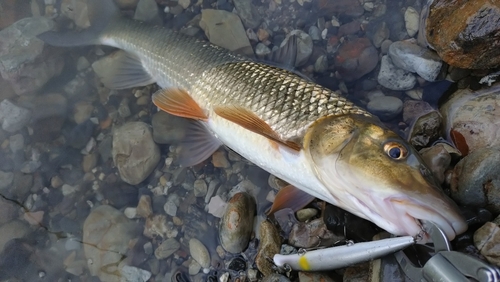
<point>395,150</point>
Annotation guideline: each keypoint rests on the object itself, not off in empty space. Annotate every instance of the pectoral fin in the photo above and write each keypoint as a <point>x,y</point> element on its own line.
<point>178,102</point>
<point>252,122</point>
<point>198,144</point>
<point>290,197</point>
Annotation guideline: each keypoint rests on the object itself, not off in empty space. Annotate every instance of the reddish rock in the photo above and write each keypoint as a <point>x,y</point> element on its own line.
<point>356,58</point>
<point>465,34</point>
<point>13,10</point>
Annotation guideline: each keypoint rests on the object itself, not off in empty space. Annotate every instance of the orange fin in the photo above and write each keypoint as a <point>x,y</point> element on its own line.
<point>178,102</point>
<point>290,197</point>
<point>252,122</point>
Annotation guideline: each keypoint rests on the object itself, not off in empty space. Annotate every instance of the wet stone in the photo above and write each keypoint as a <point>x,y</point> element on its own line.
<point>200,188</point>
<point>134,274</point>
<point>487,241</point>
<point>315,277</point>
<point>12,230</point>
<point>356,58</point>
<point>275,277</point>
<point>476,179</point>
<point>311,234</point>
<point>413,58</point>
<point>437,159</point>
<point>385,107</point>
<point>168,129</point>
<point>167,248</point>
<point>134,152</point>
<point>358,273</point>
<point>412,18</point>
<point>199,252</point>
<point>394,78</point>
<point>306,214</point>
<point>6,179</point>
<point>270,243</point>
<point>13,117</point>
<point>8,210</point>
<point>237,223</point>
<point>144,208</point>
<point>107,233</point>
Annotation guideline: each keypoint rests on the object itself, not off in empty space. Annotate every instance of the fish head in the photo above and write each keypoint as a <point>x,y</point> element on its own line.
<point>371,172</point>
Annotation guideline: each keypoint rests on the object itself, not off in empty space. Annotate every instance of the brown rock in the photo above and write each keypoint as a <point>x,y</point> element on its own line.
<point>356,58</point>
<point>465,34</point>
<point>237,223</point>
<point>144,208</point>
<point>270,244</point>
<point>487,240</point>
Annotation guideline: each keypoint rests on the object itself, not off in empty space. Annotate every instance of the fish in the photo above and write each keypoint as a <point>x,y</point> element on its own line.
<point>309,136</point>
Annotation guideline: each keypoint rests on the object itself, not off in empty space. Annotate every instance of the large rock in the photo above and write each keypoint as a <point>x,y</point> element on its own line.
<point>12,230</point>
<point>225,29</point>
<point>466,34</point>
<point>107,234</point>
<point>471,118</point>
<point>134,152</point>
<point>393,77</point>
<point>24,61</point>
<point>416,59</point>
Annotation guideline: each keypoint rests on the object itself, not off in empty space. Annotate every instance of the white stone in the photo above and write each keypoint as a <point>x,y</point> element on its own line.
<point>394,78</point>
<point>412,19</point>
<point>13,117</point>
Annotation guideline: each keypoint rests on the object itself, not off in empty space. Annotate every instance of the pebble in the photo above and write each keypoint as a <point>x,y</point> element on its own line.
<point>321,64</point>
<point>437,159</point>
<point>476,179</point>
<point>225,29</point>
<point>219,159</point>
<point>8,210</point>
<point>147,11</point>
<point>393,77</point>
<point>275,277</point>
<point>130,212</point>
<point>89,162</point>
<point>107,233</point>
<point>236,224</point>
<point>144,208</point>
<point>170,208</point>
<point>306,214</point>
<point>134,274</point>
<point>270,243</point>
<point>167,248</point>
<point>82,111</point>
<point>356,58</point>
<point>199,252</point>
<point>13,117</point>
<point>16,142</point>
<point>262,50</point>
<point>412,21</point>
<point>314,33</point>
<point>413,58</point>
<point>134,152</point>
<point>487,241</point>
<point>200,188</point>
<point>424,122</point>
<point>311,234</point>
<point>82,63</point>
<point>6,179</point>
<point>385,107</point>
<point>216,206</point>
<point>194,267</point>
<point>316,277</point>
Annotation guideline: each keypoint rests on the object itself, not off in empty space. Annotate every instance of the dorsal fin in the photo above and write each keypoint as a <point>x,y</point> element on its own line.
<point>178,102</point>
<point>252,122</point>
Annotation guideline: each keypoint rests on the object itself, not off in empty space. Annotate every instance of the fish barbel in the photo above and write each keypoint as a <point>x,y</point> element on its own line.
<point>305,134</point>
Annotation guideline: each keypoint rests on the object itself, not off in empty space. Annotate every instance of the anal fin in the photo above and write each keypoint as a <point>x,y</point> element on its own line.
<point>198,145</point>
<point>290,197</point>
<point>126,71</point>
<point>178,102</point>
<point>252,122</point>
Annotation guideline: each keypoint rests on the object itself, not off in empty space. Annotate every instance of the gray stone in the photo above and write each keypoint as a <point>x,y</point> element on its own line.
<point>21,54</point>
<point>8,210</point>
<point>134,274</point>
<point>262,50</point>
<point>147,11</point>
<point>200,188</point>
<point>16,142</point>
<point>13,117</point>
<point>199,252</point>
<point>248,13</point>
<point>304,46</point>
<point>315,33</point>
<point>134,152</point>
<point>415,59</point>
<point>6,179</point>
<point>225,29</point>
<point>394,78</point>
<point>107,233</point>
<point>321,64</point>
<point>476,179</point>
<point>385,107</point>
<point>167,248</point>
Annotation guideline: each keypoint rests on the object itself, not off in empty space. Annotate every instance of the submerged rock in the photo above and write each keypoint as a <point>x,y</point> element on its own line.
<point>487,241</point>
<point>25,62</point>
<point>393,77</point>
<point>134,152</point>
<point>107,233</point>
<point>356,58</point>
<point>270,244</point>
<point>465,34</point>
<point>476,179</point>
<point>415,59</point>
<point>237,223</point>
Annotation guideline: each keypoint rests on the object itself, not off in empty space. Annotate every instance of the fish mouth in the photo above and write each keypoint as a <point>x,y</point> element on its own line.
<point>412,214</point>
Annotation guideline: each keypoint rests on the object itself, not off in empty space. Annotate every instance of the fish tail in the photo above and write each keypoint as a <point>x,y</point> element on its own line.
<point>101,14</point>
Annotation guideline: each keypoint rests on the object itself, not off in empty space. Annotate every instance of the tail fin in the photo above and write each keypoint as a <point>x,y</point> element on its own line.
<point>101,14</point>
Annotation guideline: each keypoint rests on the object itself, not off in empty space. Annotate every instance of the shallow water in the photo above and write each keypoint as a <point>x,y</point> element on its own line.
<point>58,167</point>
